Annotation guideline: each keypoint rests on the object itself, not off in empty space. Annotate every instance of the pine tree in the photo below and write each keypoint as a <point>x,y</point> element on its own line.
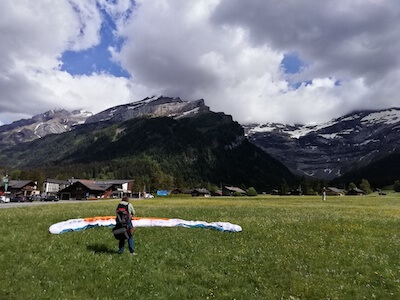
<point>284,187</point>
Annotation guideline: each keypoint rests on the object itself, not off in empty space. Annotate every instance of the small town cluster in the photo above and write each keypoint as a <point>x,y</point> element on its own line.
<point>83,189</point>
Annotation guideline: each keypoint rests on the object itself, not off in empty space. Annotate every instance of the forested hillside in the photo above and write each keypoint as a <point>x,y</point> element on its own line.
<point>379,173</point>
<point>204,150</point>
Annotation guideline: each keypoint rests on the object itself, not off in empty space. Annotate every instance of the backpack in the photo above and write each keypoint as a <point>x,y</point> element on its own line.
<point>123,219</point>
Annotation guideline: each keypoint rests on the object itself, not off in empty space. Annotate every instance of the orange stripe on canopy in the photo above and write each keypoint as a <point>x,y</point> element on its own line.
<point>94,219</point>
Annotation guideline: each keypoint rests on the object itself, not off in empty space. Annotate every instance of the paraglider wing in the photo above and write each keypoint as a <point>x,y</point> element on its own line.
<point>109,221</point>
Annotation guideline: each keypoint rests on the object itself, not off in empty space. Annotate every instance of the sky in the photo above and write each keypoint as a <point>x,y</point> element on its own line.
<point>294,61</point>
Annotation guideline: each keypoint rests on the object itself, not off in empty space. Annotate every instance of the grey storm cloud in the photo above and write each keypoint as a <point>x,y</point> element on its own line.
<point>162,67</point>
<point>334,38</point>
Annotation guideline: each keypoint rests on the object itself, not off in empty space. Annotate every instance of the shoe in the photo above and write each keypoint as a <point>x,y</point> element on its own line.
<point>120,252</point>
<point>133,253</point>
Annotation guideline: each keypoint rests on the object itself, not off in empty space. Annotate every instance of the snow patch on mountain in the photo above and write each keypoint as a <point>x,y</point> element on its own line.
<point>36,129</point>
<point>329,136</point>
<point>264,128</point>
<point>388,117</point>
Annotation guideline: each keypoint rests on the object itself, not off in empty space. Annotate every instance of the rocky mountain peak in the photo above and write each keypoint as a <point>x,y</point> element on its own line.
<point>157,106</point>
<point>51,122</point>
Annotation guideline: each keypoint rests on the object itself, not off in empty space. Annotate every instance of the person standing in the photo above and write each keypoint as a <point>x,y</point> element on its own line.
<point>324,194</point>
<point>124,214</point>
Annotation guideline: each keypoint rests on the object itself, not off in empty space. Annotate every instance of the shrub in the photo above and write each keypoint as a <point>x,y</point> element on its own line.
<point>352,186</point>
<point>396,186</point>
<point>251,191</point>
<point>365,186</point>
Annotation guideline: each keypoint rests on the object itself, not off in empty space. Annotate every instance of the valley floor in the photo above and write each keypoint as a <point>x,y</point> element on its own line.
<point>290,248</point>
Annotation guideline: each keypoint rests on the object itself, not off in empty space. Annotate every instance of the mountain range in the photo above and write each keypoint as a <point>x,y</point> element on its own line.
<point>159,141</point>
<point>342,149</point>
<point>51,122</point>
<point>332,149</point>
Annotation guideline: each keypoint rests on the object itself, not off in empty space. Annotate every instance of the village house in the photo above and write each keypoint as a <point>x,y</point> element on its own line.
<point>217,193</point>
<point>25,188</point>
<point>81,189</point>
<point>231,190</point>
<point>53,186</point>
<point>175,191</point>
<point>200,193</point>
<point>356,192</point>
<point>333,191</point>
<point>119,187</point>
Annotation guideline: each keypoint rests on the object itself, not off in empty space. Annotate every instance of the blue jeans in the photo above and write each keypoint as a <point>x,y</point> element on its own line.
<point>131,244</point>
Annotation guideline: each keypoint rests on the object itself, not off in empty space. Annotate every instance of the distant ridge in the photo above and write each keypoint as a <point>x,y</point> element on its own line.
<point>51,122</point>
<point>331,149</point>
<point>60,120</point>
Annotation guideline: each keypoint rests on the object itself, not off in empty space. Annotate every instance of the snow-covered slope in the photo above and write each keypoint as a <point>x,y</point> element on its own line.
<point>330,149</point>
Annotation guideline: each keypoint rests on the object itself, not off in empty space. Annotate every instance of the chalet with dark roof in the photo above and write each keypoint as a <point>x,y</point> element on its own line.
<point>82,190</point>
<point>21,188</point>
<point>333,191</point>
<point>200,193</point>
<point>119,187</point>
<point>356,192</point>
<point>231,190</point>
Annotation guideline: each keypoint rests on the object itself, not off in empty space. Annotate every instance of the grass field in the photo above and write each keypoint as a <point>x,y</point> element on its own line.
<point>290,248</point>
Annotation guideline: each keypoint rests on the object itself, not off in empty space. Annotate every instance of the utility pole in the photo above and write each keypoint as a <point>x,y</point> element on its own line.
<point>5,182</point>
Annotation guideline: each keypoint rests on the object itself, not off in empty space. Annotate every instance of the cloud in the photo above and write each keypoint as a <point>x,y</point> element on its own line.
<point>345,38</point>
<point>175,49</point>
<point>34,36</point>
<point>231,53</point>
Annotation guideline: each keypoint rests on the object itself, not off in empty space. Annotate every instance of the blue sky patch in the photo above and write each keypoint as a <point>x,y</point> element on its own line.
<point>98,58</point>
<point>292,63</point>
<point>296,85</point>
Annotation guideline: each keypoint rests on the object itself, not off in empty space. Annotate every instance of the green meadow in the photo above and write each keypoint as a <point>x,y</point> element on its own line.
<point>290,248</point>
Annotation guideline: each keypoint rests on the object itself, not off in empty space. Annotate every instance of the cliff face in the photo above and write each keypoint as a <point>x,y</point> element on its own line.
<point>151,107</point>
<point>334,148</point>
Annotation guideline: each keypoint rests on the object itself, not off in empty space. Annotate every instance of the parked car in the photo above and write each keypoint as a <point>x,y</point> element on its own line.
<point>4,199</point>
<point>34,198</point>
<point>18,199</point>
<point>50,198</point>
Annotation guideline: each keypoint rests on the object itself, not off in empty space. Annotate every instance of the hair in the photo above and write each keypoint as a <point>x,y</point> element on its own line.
<point>125,198</point>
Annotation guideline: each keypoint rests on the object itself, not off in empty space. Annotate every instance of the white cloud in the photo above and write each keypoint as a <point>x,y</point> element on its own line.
<point>228,52</point>
<point>95,92</point>
<point>34,35</point>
